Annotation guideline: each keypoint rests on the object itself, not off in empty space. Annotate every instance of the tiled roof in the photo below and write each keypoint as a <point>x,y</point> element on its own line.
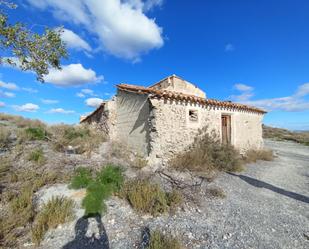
<point>186,97</point>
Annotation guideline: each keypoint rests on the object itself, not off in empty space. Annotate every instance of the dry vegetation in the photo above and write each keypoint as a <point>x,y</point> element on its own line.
<point>57,210</point>
<point>146,197</point>
<point>283,134</point>
<point>158,240</point>
<point>25,167</point>
<point>208,154</point>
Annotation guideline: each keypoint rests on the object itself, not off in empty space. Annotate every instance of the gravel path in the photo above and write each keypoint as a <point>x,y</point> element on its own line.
<point>266,206</point>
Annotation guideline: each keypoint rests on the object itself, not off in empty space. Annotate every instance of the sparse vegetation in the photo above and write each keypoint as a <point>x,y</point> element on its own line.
<point>158,240</point>
<point>149,198</point>
<point>37,156</point>
<point>24,139</point>
<point>208,154</point>
<point>284,134</point>
<point>57,210</point>
<point>82,138</point>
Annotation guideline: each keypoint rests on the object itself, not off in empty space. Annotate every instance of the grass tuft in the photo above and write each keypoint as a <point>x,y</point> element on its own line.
<point>57,210</point>
<point>160,241</point>
<point>4,137</point>
<point>216,192</point>
<point>149,198</point>
<point>37,156</point>
<point>35,133</point>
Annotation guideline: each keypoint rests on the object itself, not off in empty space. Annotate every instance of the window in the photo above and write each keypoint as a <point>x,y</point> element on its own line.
<point>193,115</point>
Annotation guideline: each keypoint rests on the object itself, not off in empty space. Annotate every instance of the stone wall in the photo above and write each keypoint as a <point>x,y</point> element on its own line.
<point>103,118</point>
<point>132,125</point>
<point>173,129</point>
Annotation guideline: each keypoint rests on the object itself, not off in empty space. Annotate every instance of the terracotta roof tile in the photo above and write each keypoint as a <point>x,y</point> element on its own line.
<point>181,96</point>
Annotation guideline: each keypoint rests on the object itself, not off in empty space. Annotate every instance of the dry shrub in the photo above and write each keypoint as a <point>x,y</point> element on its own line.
<point>139,162</point>
<point>158,240</point>
<point>57,210</point>
<point>255,155</point>
<point>82,138</point>
<point>216,192</point>
<point>37,156</point>
<point>4,137</point>
<point>207,154</point>
<point>5,164</point>
<point>149,198</point>
<point>21,122</point>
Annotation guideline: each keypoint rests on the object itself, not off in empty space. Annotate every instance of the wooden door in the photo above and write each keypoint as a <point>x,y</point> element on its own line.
<point>226,129</point>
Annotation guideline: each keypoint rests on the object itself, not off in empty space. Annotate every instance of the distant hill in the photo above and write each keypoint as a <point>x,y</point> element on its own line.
<point>301,137</point>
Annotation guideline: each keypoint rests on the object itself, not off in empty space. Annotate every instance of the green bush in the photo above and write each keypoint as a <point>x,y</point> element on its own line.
<point>35,133</point>
<point>160,241</point>
<point>149,198</point>
<point>81,178</point>
<point>57,210</point>
<point>106,182</point>
<point>37,156</point>
<point>111,176</point>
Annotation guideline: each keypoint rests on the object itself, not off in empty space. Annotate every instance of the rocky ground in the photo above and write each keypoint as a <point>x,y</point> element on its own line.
<point>266,206</point>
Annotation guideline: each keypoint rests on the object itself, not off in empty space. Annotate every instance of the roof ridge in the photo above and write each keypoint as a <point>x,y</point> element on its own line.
<point>182,96</point>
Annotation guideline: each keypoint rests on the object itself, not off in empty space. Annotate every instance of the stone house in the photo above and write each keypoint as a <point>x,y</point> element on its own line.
<point>163,119</point>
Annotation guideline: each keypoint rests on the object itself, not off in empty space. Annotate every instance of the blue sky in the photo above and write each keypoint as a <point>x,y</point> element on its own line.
<point>254,52</point>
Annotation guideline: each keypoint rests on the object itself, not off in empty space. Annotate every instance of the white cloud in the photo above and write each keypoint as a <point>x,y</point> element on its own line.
<point>29,107</point>
<point>73,41</point>
<point>2,104</point>
<point>94,102</point>
<point>121,26</point>
<point>87,91</point>
<point>302,90</point>
<point>9,86</point>
<point>246,92</point>
<point>61,111</point>
<point>293,103</point>
<point>72,75</point>
<point>49,101</point>
<point>84,92</point>
<point>80,95</point>
<point>29,90</point>
<point>243,87</point>
<point>229,47</point>
<point>6,94</point>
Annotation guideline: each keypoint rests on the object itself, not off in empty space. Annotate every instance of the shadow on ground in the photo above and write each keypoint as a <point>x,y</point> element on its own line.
<point>260,184</point>
<point>88,240</point>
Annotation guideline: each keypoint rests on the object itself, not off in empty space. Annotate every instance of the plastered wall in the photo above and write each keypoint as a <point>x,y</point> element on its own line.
<point>131,126</point>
